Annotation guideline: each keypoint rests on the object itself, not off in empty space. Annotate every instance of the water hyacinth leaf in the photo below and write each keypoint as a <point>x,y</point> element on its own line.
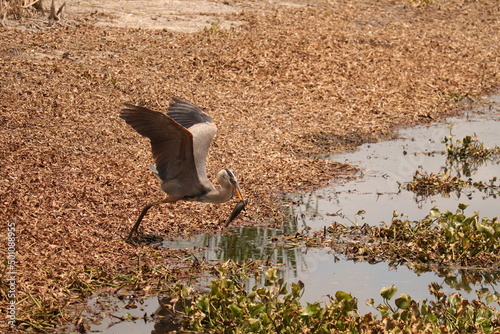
<point>492,297</point>
<point>235,310</point>
<point>485,229</point>
<point>432,317</point>
<point>496,225</point>
<point>341,295</point>
<point>202,303</point>
<point>297,289</point>
<point>271,275</point>
<point>403,302</point>
<point>283,290</point>
<point>455,298</point>
<point>256,308</point>
<point>311,310</point>
<point>388,292</point>
<point>254,322</point>
<point>383,308</point>
<point>434,213</point>
<point>465,243</point>
<point>349,304</point>
<point>252,295</point>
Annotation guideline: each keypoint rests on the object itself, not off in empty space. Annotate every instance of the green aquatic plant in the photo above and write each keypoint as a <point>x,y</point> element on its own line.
<point>275,307</point>
<point>271,308</point>
<point>426,184</point>
<point>446,314</point>
<point>441,238</point>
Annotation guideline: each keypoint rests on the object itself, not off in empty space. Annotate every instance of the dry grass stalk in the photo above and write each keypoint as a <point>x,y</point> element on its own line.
<point>56,15</point>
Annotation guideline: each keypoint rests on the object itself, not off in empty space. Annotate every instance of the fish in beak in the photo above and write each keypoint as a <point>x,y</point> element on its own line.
<point>240,206</point>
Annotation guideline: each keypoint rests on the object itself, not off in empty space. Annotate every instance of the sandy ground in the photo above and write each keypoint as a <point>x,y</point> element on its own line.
<point>183,16</point>
<point>174,15</point>
<point>285,82</point>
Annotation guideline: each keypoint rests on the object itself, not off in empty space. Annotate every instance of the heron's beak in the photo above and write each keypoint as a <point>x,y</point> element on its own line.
<point>237,190</point>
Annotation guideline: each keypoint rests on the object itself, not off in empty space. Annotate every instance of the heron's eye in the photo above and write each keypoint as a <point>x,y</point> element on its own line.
<point>230,173</point>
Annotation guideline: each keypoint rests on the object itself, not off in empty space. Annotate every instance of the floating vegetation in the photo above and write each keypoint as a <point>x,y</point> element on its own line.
<point>444,238</point>
<point>441,239</point>
<point>429,184</point>
<point>274,307</point>
<point>466,155</point>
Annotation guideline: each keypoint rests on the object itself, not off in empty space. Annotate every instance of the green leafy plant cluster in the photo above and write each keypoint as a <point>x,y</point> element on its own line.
<point>445,314</point>
<point>468,236</point>
<point>438,241</point>
<point>272,308</point>
<point>441,238</point>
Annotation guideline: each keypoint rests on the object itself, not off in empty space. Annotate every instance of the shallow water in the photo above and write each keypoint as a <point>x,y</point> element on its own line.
<point>376,192</point>
<point>385,164</point>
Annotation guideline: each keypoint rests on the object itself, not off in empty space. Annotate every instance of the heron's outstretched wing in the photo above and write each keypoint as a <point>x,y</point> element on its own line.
<point>202,128</point>
<point>187,114</point>
<point>172,146</point>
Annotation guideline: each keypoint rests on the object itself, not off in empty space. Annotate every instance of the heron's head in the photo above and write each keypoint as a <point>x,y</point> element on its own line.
<point>227,178</point>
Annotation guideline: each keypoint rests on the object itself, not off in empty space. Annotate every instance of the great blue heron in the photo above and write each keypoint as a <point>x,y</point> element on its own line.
<point>180,141</point>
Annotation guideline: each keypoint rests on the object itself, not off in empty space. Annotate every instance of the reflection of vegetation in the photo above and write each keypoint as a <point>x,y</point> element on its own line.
<point>466,155</point>
<point>490,188</point>
<point>463,158</point>
<point>257,243</point>
<point>275,308</point>
<point>466,278</point>
<point>248,243</point>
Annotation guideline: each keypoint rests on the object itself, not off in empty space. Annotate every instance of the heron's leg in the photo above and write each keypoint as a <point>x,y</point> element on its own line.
<point>143,213</point>
<point>139,220</point>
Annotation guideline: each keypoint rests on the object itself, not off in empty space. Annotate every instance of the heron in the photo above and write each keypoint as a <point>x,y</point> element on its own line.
<point>180,140</point>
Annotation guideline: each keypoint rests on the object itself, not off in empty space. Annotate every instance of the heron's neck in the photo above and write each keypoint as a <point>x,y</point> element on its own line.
<point>220,195</point>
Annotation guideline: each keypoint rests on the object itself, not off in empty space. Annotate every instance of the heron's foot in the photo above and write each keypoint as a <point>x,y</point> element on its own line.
<point>133,233</point>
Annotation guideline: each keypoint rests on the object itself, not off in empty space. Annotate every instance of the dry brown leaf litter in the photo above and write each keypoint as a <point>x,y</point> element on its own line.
<point>290,84</point>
